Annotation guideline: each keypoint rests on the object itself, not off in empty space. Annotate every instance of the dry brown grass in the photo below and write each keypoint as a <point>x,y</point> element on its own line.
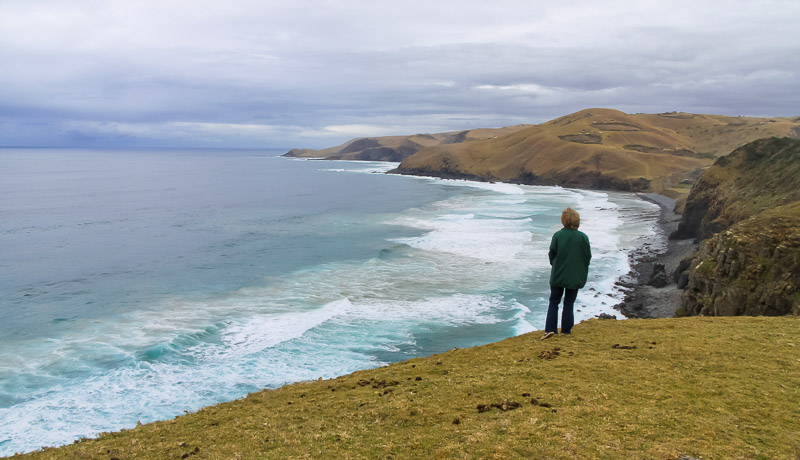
<point>664,149</point>
<point>546,151</point>
<point>719,134</point>
<point>347,152</point>
<point>635,389</point>
<point>592,148</point>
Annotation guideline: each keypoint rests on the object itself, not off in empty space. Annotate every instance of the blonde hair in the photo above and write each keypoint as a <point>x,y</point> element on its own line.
<point>570,219</point>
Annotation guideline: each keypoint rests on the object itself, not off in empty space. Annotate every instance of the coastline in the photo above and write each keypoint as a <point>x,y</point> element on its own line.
<point>513,398</point>
<point>642,300</point>
<point>621,267</point>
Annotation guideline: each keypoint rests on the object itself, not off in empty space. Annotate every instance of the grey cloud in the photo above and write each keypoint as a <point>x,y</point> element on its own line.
<point>132,73</point>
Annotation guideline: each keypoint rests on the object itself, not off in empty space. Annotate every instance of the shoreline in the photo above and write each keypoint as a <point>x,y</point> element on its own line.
<point>643,300</point>
<point>428,407</point>
<point>649,304</point>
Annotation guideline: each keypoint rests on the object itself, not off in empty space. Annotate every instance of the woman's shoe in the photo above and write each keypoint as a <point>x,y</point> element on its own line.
<point>547,335</point>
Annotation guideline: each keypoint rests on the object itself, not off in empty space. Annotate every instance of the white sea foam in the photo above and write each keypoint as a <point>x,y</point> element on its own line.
<point>489,231</point>
<point>452,310</point>
<point>507,201</point>
<point>469,241</point>
<point>522,325</point>
<point>507,215</point>
<point>363,167</point>
<point>255,334</point>
<point>464,268</point>
<point>497,187</point>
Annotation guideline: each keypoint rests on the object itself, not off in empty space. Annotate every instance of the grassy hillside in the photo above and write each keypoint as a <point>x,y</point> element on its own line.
<point>635,389</point>
<point>719,134</point>
<point>593,148</point>
<point>759,176</point>
<point>747,209</point>
<point>398,148</point>
<point>601,148</point>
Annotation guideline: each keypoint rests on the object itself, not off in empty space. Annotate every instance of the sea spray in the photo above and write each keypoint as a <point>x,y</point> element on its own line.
<point>247,271</point>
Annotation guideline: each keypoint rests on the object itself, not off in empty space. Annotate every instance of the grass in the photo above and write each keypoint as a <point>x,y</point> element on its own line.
<point>570,150</point>
<point>650,389</point>
<point>593,148</point>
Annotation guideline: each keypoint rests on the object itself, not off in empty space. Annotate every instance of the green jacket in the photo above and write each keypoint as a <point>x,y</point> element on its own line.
<point>569,255</point>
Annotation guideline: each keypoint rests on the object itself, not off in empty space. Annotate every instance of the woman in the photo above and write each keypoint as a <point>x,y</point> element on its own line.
<point>569,256</point>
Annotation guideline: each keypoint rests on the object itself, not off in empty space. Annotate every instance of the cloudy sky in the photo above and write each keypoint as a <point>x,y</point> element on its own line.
<point>298,73</point>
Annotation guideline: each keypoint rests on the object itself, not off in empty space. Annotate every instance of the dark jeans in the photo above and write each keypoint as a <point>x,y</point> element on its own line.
<point>567,318</point>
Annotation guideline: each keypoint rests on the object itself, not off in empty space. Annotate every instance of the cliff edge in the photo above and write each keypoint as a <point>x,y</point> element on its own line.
<point>746,210</point>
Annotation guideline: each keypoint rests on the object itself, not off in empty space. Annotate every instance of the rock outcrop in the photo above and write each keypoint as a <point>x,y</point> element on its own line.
<point>746,211</point>
<point>751,269</point>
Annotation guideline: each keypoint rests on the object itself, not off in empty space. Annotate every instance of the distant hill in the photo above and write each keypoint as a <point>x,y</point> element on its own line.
<point>746,209</point>
<point>593,148</point>
<point>398,148</point>
<point>602,149</point>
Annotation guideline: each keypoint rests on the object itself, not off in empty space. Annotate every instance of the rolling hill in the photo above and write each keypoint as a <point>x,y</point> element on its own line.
<point>592,148</point>
<point>398,148</point>
<point>601,149</point>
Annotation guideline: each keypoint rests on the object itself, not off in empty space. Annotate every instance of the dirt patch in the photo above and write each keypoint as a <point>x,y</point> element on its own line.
<point>377,383</point>
<point>642,148</point>
<point>504,406</point>
<point>676,151</point>
<point>583,138</point>
<point>550,354</point>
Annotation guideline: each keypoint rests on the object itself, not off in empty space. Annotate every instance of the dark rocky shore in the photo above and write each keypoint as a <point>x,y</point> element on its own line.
<point>649,294</point>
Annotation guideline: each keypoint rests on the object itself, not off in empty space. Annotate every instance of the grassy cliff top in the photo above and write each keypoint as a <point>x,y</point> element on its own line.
<point>760,176</point>
<point>654,389</point>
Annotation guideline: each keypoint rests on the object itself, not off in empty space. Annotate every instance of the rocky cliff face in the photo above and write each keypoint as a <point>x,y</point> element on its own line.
<point>573,178</point>
<point>746,211</point>
<point>751,269</point>
<point>754,178</point>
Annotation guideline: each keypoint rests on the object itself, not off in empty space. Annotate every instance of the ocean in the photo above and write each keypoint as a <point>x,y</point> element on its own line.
<point>137,285</point>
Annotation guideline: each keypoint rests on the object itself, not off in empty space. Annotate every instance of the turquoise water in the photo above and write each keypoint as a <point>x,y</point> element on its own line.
<point>136,285</point>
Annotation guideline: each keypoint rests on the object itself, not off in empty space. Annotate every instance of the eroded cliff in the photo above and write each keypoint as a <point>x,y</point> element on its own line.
<point>746,211</point>
<point>754,178</point>
<point>751,269</point>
